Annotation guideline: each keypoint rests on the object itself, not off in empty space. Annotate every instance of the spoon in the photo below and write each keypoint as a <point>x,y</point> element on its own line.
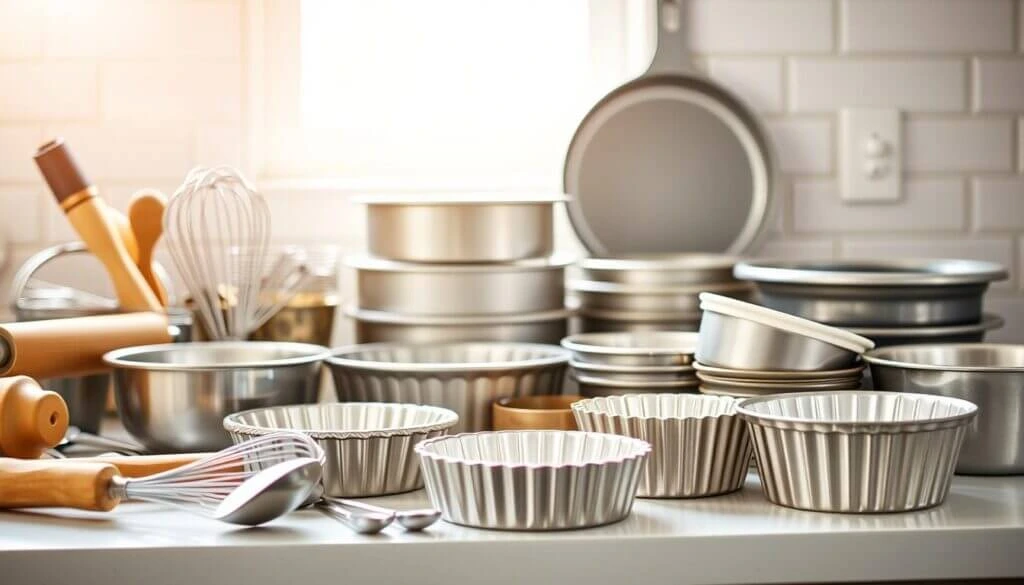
<point>411,520</point>
<point>271,493</point>
<point>360,523</point>
<point>146,215</point>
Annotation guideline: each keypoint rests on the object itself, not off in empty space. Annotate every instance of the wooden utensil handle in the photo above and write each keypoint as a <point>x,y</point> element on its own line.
<point>143,465</point>
<point>31,419</point>
<point>60,348</point>
<point>45,484</point>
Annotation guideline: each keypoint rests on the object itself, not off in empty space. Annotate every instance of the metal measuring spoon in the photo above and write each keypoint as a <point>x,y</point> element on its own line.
<point>271,493</point>
<point>360,523</point>
<point>411,520</point>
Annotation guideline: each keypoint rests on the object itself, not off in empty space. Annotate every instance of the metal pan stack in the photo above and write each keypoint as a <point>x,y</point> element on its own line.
<point>650,293</point>
<point>642,362</point>
<point>890,301</point>
<point>451,268</point>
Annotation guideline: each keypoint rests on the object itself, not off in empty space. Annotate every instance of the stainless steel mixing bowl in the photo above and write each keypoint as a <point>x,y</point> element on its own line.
<point>987,374</point>
<point>174,397</point>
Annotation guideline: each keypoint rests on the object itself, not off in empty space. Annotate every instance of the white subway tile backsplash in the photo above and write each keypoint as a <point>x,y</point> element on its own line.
<point>220,145</point>
<point>759,26</point>
<point>967,144</point>
<point>24,226</point>
<point>137,151</point>
<point>815,249</point>
<point>802,145</point>
<point>17,145</point>
<point>999,203</point>
<point>927,205</point>
<point>927,85</point>
<point>21,29</point>
<point>999,85</point>
<point>758,82</point>
<point>32,91</point>
<point>942,26</point>
<point>998,250</point>
<point>130,29</point>
<point>172,91</point>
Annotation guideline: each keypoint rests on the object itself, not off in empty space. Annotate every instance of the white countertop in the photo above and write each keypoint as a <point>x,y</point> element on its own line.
<point>977,533</point>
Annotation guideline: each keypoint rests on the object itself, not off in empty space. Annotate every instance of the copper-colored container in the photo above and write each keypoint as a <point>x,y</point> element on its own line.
<point>544,413</point>
<point>307,318</point>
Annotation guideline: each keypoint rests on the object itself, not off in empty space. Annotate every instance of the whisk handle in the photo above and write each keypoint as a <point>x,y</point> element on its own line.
<point>46,484</point>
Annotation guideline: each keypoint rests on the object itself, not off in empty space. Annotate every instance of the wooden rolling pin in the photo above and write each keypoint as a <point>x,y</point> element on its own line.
<point>60,348</point>
<point>80,201</point>
<point>31,419</point>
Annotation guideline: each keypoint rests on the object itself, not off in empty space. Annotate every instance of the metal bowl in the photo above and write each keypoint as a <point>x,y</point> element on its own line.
<point>527,286</point>
<point>592,386</point>
<point>886,336</point>
<point>174,397</point>
<point>699,447</point>
<point>634,373</point>
<point>653,348</point>
<point>744,336</point>
<point>533,480</point>
<point>440,228</point>
<point>378,326</point>
<point>875,293</point>
<point>987,374</point>
<point>660,269</point>
<point>609,296</point>
<point>368,446</point>
<point>856,451</point>
<point>463,377</point>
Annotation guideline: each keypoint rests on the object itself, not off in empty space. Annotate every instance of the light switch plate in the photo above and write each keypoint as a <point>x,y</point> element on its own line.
<point>871,154</point>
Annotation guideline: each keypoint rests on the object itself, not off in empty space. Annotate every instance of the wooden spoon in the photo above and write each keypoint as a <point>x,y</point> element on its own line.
<point>146,214</point>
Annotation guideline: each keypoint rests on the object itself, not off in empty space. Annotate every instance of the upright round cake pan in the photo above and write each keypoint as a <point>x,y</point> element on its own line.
<point>533,480</point>
<point>608,296</point>
<point>461,228</point>
<point>637,374</point>
<point>699,446</point>
<point>527,286</point>
<point>605,322</point>
<point>380,326</point>
<point>856,451</point>
<point>368,446</point>
<point>655,348</point>
<point>875,293</point>
<point>974,332</point>
<point>593,386</point>
<point>660,269</point>
<point>463,377</point>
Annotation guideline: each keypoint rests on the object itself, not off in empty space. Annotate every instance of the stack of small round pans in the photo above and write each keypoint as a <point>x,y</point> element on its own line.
<point>748,350</point>
<point>650,293</point>
<point>614,363</point>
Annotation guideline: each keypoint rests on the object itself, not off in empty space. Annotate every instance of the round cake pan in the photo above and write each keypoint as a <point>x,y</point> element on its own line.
<point>886,336</point>
<point>453,228</point>
<point>875,293</point>
<point>635,373</point>
<point>379,326</point>
<point>655,348</point>
<point>660,269</point>
<point>762,387</point>
<point>776,375</point>
<point>528,286</point>
<point>591,386</point>
<point>607,296</point>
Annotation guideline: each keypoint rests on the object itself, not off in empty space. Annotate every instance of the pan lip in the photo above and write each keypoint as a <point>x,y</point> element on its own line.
<point>618,288</point>
<point>121,358</point>
<point>447,418</point>
<point>661,261</point>
<point>552,262</point>
<point>947,271</point>
<point>989,321</point>
<point>578,343</point>
<point>555,356</point>
<point>389,318</point>
<point>879,357</point>
<point>444,199</point>
<point>762,197</point>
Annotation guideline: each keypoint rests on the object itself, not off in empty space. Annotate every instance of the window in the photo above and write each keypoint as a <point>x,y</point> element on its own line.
<point>446,93</point>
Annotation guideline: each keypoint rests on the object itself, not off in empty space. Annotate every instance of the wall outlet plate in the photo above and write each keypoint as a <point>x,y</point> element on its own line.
<point>871,153</point>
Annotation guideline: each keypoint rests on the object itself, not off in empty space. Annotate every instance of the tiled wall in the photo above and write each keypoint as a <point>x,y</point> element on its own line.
<point>141,106</point>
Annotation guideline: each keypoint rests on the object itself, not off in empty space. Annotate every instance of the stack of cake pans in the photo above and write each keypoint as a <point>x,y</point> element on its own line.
<point>641,362</point>
<point>892,302</point>
<point>451,268</point>
<point>650,293</point>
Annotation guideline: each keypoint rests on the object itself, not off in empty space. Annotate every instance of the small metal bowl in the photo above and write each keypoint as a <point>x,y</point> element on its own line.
<point>591,386</point>
<point>641,349</point>
<point>744,336</point>
<point>463,377</point>
<point>699,446</point>
<point>635,373</point>
<point>856,451</point>
<point>532,480</point>
<point>174,397</point>
<point>368,446</point>
<point>988,374</point>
